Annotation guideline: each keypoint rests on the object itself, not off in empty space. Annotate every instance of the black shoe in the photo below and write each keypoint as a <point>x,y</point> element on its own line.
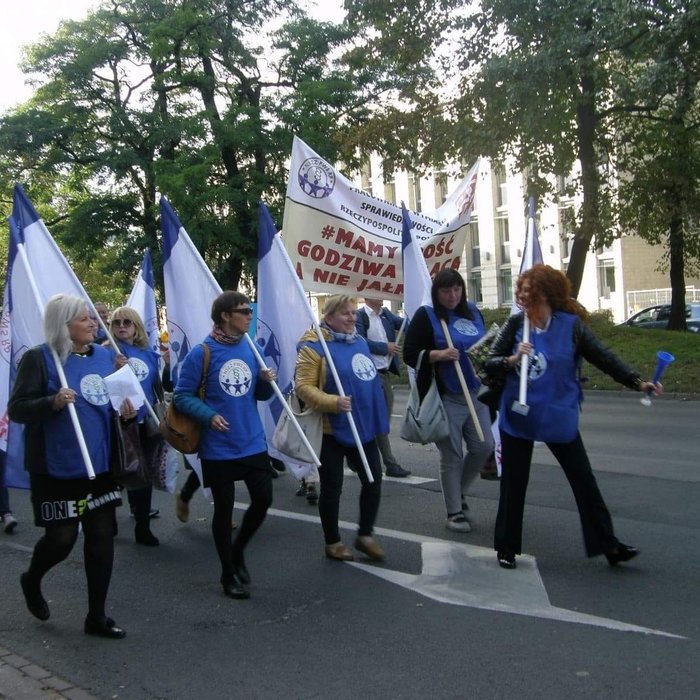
<point>36,604</point>
<point>235,589</point>
<point>154,513</point>
<point>143,535</point>
<point>397,472</point>
<point>106,627</point>
<point>621,553</point>
<point>311,494</point>
<point>301,491</point>
<point>240,568</point>
<point>506,559</point>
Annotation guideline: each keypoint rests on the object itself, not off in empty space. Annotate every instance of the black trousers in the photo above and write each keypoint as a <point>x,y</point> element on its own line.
<point>330,474</point>
<point>516,455</point>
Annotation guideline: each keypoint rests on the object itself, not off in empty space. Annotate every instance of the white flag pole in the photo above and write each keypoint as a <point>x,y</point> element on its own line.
<point>59,367</point>
<point>278,241</point>
<point>401,331</point>
<point>463,384</point>
<point>285,405</point>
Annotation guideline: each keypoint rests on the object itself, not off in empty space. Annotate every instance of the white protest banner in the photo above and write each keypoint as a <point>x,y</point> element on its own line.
<point>344,240</point>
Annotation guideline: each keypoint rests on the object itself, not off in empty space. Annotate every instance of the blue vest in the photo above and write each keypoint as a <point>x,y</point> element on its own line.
<point>230,391</point>
<point>359,379</point>
<point>84,373</point>
<point>553,390</point>
<point>464,333</point>
<point>144,362</point>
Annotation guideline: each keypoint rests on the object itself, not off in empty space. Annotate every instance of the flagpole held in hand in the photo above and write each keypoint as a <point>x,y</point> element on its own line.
<point>278,242</point>
<point>463,384</point>
<point>285,405</point>
<point>59,367</point>
<point>520,406</point>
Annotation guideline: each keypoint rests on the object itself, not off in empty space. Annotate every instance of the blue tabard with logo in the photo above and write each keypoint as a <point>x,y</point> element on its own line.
<point>553,390</point>
<point>464,333</point>
<point>84,374</point>
<point>230,391</point>
<point>359,379</point>
<point>144,362</point>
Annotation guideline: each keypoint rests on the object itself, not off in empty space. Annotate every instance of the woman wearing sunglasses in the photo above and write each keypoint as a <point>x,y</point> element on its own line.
<point>232,446</point>
<point>128,331</point>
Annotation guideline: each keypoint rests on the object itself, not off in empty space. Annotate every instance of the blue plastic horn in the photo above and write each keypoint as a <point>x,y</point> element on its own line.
<point>664,359</point>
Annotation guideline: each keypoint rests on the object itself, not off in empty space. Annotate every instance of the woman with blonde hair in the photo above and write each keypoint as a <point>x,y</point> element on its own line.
<point>63,497</point>
<point>316,387</point>
<point>127,329</point>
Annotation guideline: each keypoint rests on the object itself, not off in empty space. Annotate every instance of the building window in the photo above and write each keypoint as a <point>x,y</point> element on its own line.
<point>475,293</point>
<point>440,188</point>
<point>505,280</point>
<point>414,203</point>
<point>473,242</point>
<point>503,239</point>
<point>366,177</point>
<point>606,278</point>
<point>390,191</point>
<point>500,185</point>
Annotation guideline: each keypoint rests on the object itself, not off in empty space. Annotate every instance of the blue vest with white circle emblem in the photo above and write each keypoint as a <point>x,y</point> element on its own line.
<point>464,332</point>
<point>84,374</point>
<point>359,379</point>
<point>144,362</point>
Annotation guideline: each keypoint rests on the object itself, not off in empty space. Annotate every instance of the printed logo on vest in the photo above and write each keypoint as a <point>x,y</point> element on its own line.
<point>94,390</point>
<point>235,378</point>
<point>465,327</point>
<point>140,368</point>
<point>363,367</point>
<point>316,178</point>
<point>537,366</point>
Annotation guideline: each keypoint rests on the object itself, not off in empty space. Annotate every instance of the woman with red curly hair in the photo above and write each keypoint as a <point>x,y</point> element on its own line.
<point>558,340</point>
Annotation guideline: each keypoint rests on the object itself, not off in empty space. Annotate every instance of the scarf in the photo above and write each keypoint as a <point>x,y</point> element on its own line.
<point>340,337</point>
<point>223,338</point>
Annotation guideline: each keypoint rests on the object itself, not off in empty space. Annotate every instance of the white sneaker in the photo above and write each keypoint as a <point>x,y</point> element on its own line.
<point>458,523</point>
<point>10,523</point>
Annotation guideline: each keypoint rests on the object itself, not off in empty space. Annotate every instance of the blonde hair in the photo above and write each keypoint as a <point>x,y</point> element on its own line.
<point>60,310</point>
<point>126,312</point>
<point>336,302</point>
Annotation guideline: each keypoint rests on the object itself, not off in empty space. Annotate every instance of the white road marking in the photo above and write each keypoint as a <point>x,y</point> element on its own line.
<point>410,480</point>
<point>468,575</point>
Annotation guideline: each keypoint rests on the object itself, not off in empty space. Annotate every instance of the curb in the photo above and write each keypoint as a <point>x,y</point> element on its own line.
<point>20,679</point>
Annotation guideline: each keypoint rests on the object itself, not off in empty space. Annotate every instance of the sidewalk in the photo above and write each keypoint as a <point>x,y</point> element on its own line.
<point>20,679</point>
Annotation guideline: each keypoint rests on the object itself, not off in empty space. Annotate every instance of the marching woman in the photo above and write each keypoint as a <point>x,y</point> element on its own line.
<point>558,341</point>
<point>425,332</point>
<point>316,387</point>
<point>127,329</point>
<point>232,446</point>
<point>63,497</point>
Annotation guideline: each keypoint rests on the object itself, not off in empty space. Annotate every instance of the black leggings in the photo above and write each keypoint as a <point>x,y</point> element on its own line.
<point>98,554</point>
<point>331,477</point>
<point>259,483</point>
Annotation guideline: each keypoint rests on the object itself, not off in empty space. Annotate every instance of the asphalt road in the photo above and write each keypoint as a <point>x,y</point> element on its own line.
<point>463,629</point>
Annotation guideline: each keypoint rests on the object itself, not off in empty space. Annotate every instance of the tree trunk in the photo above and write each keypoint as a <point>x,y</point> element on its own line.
<point>676,271</point>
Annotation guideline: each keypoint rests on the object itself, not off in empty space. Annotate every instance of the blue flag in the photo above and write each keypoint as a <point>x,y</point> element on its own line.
<point>284,315</point>
<point>532,253</point>
<point>143,300</point>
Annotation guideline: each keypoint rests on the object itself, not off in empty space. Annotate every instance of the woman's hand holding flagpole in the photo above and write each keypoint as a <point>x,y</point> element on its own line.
<point>463,384</point>
<point>285,405</point>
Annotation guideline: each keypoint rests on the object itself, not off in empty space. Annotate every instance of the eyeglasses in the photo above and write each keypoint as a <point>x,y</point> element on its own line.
<point>126,322</point>
<point>244,312</point>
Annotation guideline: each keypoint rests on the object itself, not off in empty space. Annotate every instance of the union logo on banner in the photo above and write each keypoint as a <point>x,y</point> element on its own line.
<point>316,178</point>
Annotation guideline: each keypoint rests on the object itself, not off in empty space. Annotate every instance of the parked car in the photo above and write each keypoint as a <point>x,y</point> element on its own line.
<point>657,317</point>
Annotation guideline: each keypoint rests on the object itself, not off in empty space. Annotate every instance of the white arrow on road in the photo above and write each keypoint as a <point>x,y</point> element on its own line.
<point>468,575</point>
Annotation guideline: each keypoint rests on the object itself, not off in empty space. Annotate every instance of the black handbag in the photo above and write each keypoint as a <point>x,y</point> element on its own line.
<point>126,456</point>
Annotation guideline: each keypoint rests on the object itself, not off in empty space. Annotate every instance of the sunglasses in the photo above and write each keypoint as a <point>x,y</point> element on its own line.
<point>126,322</point>
<point>244,312</point>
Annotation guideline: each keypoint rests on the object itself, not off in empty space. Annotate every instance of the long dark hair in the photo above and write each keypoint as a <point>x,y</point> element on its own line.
<point>449,278</point>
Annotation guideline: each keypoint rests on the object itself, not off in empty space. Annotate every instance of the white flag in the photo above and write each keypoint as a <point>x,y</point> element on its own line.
<point>143,300</point>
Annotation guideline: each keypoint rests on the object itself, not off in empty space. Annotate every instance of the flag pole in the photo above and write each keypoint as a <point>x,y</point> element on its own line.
<point>285,405</point>
<point>278,241</point>
<point>463,384</point>
<point>59,367</point>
